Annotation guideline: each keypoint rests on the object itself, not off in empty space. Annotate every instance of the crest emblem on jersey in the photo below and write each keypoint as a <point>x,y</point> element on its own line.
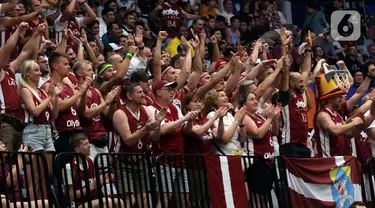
<point>300,104</point>
<point>170,12</point>
<point>342,188</point>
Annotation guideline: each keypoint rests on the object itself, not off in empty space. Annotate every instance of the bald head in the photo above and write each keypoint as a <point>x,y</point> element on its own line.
<point>296,82</point>
<point>115,60</point>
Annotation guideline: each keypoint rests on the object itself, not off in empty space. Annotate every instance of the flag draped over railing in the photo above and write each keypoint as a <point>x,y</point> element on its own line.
<point>324,182</point>
<point>226,182</point>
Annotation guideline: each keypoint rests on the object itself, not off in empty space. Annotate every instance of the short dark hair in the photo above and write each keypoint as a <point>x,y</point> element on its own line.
<point>128,88</point>
<point>106,10</point>
<point>110,26</point>
<point>129,12</point>
<point>220,18</point>
<point>234,18</point>
<point>355,204</point>
<point>92,23</point>
<point>75,140</point>
<point>139,23</point>
<point>106,4</point>
<point>55,58</point>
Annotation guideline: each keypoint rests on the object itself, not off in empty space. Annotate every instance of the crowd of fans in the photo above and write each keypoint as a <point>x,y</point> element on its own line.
<point>202,77</point>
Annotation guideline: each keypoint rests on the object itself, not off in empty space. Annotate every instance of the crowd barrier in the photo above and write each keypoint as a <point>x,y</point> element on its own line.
<point>133,180</point>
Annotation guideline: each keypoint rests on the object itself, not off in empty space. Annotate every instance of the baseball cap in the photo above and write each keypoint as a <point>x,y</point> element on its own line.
<point>140,76</point>
<point>114,47</point>
<point>163,83</point>
<point>219,64</point>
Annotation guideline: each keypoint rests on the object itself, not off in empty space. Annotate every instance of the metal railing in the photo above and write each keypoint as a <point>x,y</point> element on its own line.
<point>139,180</point>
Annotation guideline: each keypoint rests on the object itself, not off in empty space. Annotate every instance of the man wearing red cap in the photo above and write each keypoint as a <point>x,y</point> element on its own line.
<point>171,141</point>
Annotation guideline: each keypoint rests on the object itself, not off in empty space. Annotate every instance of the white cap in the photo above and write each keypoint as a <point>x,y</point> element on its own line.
<point>115,47</point>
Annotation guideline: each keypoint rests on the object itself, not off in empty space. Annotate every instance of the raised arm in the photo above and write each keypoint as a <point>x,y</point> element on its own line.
<point>5,7</point>
<point>306,65</point>
<point>259,91</point>
<point>362,90</point>
<point>120,73</point>
<point>188,16</point>
<point>157,56</point>
<point>68,11</point>
<point>10,21</point>
<point>10,44</point>
<point>186,65</point>
<point>28,49</point>
<point>90,13</point>
<point>197,66</point>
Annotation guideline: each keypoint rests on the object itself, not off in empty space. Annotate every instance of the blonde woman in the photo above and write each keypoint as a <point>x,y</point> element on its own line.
<point>229,141</point>
<point>40,107</point>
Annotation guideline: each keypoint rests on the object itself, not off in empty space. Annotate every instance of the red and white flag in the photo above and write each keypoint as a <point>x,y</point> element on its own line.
<point>226,182</point>
<point>324,182</point>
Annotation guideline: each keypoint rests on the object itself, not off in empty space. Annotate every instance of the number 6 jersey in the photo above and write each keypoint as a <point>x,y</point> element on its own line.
<point>67,120</point>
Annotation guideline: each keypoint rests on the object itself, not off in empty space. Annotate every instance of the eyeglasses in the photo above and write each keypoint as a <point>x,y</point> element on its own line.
<point>168,89</point>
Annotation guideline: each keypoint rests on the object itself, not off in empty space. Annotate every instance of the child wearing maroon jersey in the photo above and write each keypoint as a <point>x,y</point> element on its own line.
<point>74,174</point>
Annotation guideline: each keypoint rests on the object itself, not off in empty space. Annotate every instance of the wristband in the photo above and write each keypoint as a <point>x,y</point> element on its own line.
<point>241,126</point>
<point>128,57</point>
<point>141,48</point>
<point>369,76</point>
<point>309,50</point>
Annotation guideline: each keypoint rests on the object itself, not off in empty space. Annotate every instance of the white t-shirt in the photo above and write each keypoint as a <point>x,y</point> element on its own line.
<point>233,147</point>
<point>59,26</point>
<point>372,125</point>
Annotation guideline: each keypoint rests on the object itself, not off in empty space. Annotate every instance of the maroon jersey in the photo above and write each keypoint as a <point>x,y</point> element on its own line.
<point>44,117</point>
<point>170,20</point>
<point>79,177</point>
<point>32,26</point>
<point>260,147</point>
<point>67,120</point>
<point>9,100</point>
<point>114,140</point>
<point>148,98</point>
<point>135,124</point>
<point>93,128</point>
<point>4,36</point>
<point>194,144</point>
<point>73,25</point>
<point>329,145</point>
<point>171,143</point>
<point>363,147</point>
<point>73,78</point>
<point>295,126</point>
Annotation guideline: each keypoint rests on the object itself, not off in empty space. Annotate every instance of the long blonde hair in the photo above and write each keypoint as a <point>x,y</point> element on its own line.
<point>22,83</point>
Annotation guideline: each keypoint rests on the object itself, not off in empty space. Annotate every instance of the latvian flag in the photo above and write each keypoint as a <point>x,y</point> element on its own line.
<point>226,182</point>
<point>323,182</point>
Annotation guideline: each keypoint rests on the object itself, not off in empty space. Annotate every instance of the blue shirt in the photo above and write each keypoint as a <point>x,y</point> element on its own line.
<point>315,22</point>
<point>352,90</point>
<point>107,39</point>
